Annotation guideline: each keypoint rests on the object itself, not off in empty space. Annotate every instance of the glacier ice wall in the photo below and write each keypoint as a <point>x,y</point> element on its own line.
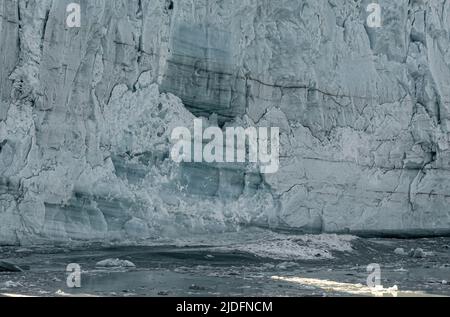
<point>86,115</point>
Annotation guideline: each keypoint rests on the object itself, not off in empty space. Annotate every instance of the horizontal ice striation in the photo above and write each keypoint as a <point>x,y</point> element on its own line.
<point>86,116</point>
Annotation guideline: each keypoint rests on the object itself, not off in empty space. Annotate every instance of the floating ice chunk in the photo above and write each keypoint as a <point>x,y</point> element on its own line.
<point>286,265</point>
<point>11,284</point>
<point>417,253</point>
<point>115,263</point>
<point>10,267</point>
<point>400,251</point>
<point>24,250</point>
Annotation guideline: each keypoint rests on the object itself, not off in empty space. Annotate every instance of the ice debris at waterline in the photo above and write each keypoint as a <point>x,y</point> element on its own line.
<point>116,263</point>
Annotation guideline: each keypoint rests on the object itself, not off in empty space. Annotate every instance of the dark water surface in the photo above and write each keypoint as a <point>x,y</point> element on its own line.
<point>211,271</point>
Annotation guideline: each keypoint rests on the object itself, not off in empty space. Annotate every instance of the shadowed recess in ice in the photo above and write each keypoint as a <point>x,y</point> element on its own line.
<point>200,71</point>
<point>86,116</point>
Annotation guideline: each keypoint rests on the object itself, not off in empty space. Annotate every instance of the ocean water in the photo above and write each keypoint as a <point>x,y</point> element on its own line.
<point>254,262</point>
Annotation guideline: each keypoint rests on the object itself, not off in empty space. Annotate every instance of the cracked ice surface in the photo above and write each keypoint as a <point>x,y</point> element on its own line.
<point>85,117</point>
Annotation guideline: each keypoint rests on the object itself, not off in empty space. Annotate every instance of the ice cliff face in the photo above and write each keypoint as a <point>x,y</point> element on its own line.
<point>86,115</point>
